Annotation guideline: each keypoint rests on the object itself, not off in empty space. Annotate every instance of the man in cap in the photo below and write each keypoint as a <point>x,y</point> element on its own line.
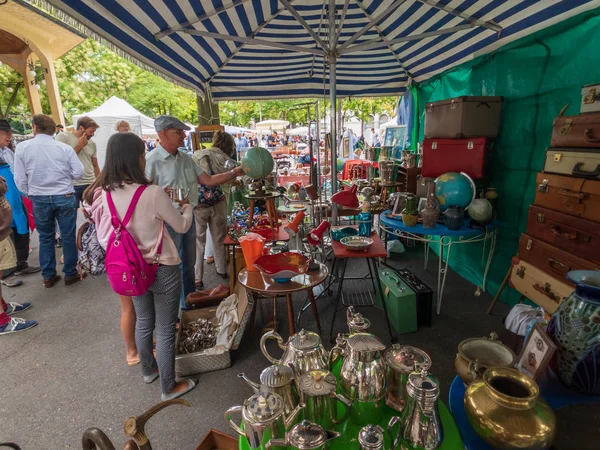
<point>169,167</point>
<point>19,225</point>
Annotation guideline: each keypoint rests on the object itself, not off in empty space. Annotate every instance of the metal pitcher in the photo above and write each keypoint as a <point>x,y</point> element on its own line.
<point>401,361</point>
<point>304,350</point>
<point>357,323</point>
<point>279,380</point>
<point>305,436</point>
<point>362,377</point>
<point>263,418</point>
<point>317,391</point>
<point>420,423</point>
<point>371,437</point>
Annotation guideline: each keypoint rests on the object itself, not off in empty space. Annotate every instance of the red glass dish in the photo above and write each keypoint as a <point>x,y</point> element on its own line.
<point>279,262</point>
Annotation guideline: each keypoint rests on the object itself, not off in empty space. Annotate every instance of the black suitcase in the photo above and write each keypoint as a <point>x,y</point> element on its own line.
<point>424,297</point>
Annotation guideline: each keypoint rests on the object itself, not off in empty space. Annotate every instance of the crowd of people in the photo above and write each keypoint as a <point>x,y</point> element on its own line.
<point>164,199</point>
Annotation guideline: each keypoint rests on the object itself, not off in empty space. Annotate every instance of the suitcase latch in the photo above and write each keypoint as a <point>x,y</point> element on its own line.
<point>566,128</point>
<point>452,104</point>
<point>521,272</point>
<point>543,186</point>
<point>591,96</point>
<point>470,145</point>
<point>541,218</point>
<point>429,107</point>
<point>557,157</point>
<point>434,145</point>
<point>529,244</point>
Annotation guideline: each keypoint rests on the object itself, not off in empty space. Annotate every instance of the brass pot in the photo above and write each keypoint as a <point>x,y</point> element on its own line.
<point>505,409</point>
<point>475,355</point>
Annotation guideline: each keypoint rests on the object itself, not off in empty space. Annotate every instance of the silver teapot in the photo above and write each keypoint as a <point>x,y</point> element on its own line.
<point>363,376</point>
<point>420,423</point>
<point>401,362</point>
<point>279,380</point>
<point>304,350</point>
<point>263,418</point>
<point>305,436</point>
<point>357,323</point>
<point>317,390</point>
<point>371,437</point>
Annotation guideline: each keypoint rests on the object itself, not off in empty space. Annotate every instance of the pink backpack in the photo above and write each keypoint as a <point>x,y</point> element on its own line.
<point>127,271</point>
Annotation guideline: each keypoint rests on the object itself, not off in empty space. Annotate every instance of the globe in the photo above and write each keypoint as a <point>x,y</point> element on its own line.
<point>480,210</point>
<point>454,189</point>
<point>258,162</point>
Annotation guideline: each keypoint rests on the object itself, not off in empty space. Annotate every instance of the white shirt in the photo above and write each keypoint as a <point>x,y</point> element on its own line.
<point>9,156</point>
<point>44,166</point>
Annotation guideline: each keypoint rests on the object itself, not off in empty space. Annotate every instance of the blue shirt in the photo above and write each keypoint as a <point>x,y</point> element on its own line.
<point>241,143</point>
<point>19,219</point>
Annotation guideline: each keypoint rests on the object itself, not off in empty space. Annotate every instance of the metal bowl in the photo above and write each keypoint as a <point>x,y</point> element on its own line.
<point>356,243</point>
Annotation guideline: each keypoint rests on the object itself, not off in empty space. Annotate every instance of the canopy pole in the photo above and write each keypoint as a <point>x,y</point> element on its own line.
<point>333,101</point>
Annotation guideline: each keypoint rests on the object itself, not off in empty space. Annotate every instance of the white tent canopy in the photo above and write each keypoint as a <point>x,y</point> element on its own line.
<point>107,115</point>
<point>272,124</point>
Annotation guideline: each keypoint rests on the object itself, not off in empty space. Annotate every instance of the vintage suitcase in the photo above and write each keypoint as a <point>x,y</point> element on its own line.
<point>577,162</point>
<point>400,301</point>
<point>550,259</point>
<point>576,131</point>
<point>463,117</point>
<point>590,99</point>
<point>424,297</point>
<point>575,235</point>
<point>455,155</point>
<point>539,287</point>
<point>575,196</point>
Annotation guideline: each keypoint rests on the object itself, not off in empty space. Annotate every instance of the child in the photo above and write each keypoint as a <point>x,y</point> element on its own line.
<point>8,259</point>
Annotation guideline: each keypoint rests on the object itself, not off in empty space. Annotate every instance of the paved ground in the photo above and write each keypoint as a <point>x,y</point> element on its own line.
<point>69,373</point>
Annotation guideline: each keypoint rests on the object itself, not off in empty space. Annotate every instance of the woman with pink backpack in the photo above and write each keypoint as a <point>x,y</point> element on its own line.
<point>141,259</point>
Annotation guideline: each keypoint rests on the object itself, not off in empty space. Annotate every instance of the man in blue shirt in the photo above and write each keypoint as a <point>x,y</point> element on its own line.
<point>240,142</point>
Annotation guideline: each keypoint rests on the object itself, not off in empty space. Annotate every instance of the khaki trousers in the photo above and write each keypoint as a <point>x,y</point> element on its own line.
<point>215,218</point>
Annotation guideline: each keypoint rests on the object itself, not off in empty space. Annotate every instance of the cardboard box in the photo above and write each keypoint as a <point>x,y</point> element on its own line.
<point>215,440</point>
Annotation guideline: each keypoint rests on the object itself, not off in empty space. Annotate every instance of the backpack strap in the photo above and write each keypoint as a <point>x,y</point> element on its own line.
<point>116,223</point>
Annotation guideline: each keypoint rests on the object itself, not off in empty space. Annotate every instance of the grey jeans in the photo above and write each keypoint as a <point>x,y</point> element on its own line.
<point>157,310</point>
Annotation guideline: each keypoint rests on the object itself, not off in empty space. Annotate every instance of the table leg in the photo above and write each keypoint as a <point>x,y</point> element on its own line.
<point>443,271</point>
<point>270,204</point>
<point>490,257</point>
<point>379,293</point>
<point>253,314</point>
<point>313,304</point>
<point>426,254</point>
<point>290,311</point>
<point>252,203</point>
<point>338,296</point>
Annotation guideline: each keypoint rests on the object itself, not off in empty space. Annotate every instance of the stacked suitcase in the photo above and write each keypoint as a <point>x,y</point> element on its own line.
<point>459,134</point>
<point>563,225</point>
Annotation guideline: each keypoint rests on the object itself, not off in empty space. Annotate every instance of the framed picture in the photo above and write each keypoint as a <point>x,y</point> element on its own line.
<point>537,352</point>
<point>346,148</point>
<point>395,139</point>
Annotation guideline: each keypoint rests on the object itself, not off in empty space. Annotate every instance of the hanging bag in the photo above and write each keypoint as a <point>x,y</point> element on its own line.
<point>127,271</point>
<point>209,195</point>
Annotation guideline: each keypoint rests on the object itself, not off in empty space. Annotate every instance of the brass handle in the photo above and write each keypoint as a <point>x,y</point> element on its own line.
<point>553,262</point>
<point>589,135</point>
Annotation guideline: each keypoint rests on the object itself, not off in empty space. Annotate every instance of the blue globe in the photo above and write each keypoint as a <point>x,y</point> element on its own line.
<point>453,189</point>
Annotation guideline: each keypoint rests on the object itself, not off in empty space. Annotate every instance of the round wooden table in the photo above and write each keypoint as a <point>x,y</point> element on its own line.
<point>257,283</point>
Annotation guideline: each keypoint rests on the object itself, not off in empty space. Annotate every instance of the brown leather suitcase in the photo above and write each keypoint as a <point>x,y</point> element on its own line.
<point>575,196</point>
<point>550,259</point>
<point>577,236</point>
<point>576,131</point>
<point>539,287</point>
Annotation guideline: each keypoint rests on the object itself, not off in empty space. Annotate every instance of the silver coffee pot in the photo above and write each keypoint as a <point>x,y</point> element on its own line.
<point>401,361</point>
<point>371,437</point>
<point>317,390</point>
<point>263,418</point>
<point>357,323</point>
<point>420,423</point>
<point>279,380</point>
<point>362,376</point>
<point>304,350</point>
<point>305,436</point>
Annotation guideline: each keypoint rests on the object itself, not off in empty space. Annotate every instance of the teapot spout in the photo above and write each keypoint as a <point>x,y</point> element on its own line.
<point>253,385</point>
<point>332,435</point>
<point>289,421</point>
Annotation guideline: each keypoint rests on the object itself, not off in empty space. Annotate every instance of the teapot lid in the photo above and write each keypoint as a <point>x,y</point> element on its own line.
<point>317,382</point>
<point>304,340</point>
<point>406,358</point>
<point>423,385</point>
<point>371,436</point>
<point>356,321</point>
<point>365,342</point>
<point>276,376</point>
<point>264,406</point>
<point>307,435</point>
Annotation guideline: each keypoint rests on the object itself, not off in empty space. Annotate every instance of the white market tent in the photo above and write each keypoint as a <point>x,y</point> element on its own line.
<point>108,114</point>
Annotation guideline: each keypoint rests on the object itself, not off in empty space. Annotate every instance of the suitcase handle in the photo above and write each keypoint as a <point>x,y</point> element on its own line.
<point>585,173</point>
<point>558,267</point>
<point>568,193</point>
<point>589,135</point>
<point>555,230</point>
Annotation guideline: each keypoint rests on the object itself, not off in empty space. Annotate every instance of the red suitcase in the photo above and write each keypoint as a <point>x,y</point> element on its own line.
<point>455,155</point>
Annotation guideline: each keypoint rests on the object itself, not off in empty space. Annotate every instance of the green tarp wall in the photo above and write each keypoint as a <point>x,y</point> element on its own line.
<point>537,76</point>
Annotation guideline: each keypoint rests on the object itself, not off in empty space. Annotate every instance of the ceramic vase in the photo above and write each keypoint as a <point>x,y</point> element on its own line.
<point>575,328</point>
<point>453,217</point>
<point>430,214</point>
<point>410,213</point>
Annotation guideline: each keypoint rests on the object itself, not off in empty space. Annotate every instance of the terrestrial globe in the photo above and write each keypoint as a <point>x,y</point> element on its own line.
<point>455,189</point>
<point>258,162</point>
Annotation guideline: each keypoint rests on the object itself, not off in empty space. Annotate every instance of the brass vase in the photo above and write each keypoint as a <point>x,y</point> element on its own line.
<point>505,409</point>
<point>410,213</point>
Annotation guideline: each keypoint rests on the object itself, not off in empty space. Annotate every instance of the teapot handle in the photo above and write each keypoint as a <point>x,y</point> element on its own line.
<point>394,441</point>
<point>334,354</point>
<point>348,406</point>
<point>276,443</point>
<point>232,424</point>
<point>263,347</point>
<point>473,369</point>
